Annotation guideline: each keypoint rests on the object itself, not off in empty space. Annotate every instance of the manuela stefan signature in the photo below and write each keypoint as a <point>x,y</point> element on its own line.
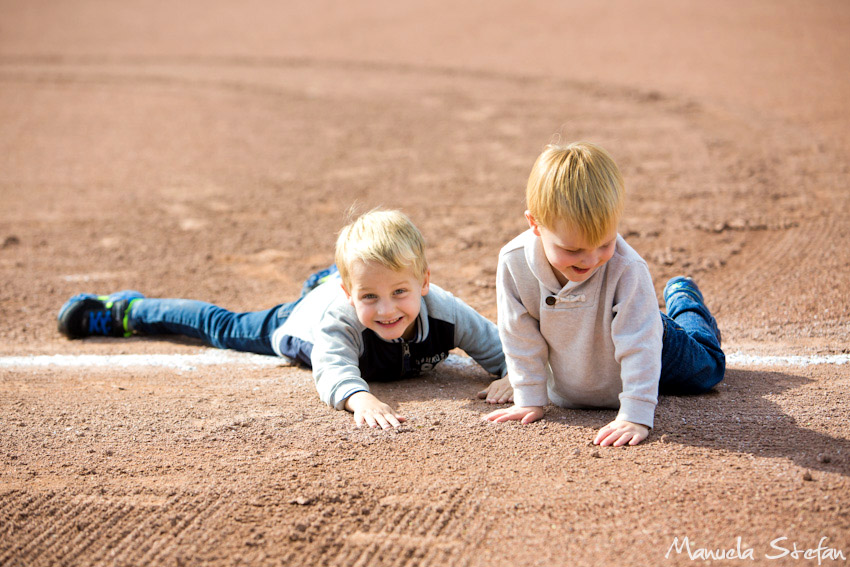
<point>780,548</point>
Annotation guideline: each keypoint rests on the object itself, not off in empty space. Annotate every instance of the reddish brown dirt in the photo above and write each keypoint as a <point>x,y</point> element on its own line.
<point>213,151</point>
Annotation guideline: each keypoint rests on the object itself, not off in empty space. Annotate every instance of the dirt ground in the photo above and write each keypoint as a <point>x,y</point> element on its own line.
<point>212,151</point>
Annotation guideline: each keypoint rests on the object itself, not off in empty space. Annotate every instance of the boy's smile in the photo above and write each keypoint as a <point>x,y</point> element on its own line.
<point>572,257</point>
<point>386,301</point>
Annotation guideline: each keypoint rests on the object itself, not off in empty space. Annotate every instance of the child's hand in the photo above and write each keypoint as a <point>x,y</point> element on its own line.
<point>370,410</point>
<point>619,432</point>
<point>498,392</point>
<point>516,413</point>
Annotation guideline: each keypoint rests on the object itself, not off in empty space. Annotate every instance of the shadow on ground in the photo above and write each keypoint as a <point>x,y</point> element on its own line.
<point>745,415</point>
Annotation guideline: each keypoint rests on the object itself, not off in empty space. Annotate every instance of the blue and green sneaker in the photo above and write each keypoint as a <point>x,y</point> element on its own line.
<point>88,314</point>
<point>687,286</point>
<point>683,284</point>
<point>318,279</point>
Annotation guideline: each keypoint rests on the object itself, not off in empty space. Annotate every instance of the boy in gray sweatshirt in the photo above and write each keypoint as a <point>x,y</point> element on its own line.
<point>373,316</point>
<point>578,315</point>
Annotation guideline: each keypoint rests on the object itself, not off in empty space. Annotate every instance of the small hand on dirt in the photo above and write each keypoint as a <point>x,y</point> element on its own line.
<point>620,432</point>
<point>498,392</point>
<point>369,410</point>
<point>516,413</point>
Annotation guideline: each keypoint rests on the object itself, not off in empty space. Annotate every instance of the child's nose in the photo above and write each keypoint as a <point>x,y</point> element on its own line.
<point>385,307</point>
<point>592,259</point>
<point>588,260</point>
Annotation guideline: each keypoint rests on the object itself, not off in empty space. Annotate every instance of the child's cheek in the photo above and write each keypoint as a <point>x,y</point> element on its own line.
<point>363,314</point>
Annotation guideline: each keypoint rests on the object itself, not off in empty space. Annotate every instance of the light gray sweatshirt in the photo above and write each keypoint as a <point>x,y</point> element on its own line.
<point>597,345</point>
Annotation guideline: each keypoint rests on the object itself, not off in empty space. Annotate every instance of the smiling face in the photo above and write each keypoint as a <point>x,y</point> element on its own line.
<point>385,300</point>
<point>569,253</point>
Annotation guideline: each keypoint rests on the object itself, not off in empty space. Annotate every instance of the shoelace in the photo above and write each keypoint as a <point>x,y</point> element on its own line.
<point>100,322</point>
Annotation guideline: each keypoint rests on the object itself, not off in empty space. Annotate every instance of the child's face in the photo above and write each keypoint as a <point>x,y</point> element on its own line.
<point>386,301</point>
<point>570,254</point>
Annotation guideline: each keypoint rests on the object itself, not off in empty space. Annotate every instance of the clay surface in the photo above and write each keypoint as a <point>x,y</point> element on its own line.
<point>212,151</point>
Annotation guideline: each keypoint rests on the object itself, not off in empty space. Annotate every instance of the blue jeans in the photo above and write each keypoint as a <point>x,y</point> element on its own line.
<point>216,326</point>
<point>692,361</point>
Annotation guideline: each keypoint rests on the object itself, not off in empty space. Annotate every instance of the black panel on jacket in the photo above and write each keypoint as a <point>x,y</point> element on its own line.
<point>382,361</point>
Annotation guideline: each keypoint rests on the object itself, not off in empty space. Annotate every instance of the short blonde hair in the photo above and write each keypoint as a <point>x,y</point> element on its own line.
<point>386,237</point>
<point>579,184</point>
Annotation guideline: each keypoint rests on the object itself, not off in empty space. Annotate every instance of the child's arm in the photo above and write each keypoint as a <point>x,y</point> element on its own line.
<point>619,432</point>
<point>526,351</point>
<point>339,382</point>
<point>637,333</point>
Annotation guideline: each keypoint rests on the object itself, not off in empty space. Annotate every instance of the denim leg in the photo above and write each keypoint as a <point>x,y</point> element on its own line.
<point>692,361</point>
<point>218,327</point>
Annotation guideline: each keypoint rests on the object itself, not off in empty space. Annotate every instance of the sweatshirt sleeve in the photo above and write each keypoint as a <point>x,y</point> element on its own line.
<point>479,338</point>
<point>526,351</point>
<point>637,332</point>
<point>335,359</point>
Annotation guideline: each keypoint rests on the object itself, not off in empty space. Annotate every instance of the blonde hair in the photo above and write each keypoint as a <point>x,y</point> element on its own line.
<point>579,184</point>
<point>386,237</point>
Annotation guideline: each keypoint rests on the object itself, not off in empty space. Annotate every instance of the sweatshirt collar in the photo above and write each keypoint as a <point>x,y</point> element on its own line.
<point>535,256</point>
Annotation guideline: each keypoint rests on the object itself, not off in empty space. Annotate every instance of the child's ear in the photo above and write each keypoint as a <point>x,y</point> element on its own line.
<point>532,223</point>
<point>347,295</point>
<point>426,283</point>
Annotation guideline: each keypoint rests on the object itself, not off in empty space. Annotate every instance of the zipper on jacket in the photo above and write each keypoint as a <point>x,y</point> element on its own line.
<point>405,358</point>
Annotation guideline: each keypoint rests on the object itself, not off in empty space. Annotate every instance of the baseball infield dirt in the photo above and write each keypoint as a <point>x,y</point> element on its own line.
<point>212,151</point>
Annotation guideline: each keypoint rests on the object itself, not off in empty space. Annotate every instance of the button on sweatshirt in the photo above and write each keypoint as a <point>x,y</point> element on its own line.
<point>595,343</point>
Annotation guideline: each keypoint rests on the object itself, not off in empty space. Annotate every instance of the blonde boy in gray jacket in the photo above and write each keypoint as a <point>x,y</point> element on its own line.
<point>373,316</point>
<point>578,316</point>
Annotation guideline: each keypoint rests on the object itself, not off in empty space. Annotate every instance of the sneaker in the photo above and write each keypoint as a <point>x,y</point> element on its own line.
<point>683,284</point>
<point>87,314</point>
<point>318,279</point>
<point>686,285</point>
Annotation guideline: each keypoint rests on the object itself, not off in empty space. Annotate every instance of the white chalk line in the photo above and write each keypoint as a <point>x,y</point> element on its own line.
<point>742,359</point>
<point>175,361</point>
<point>225,357</point>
